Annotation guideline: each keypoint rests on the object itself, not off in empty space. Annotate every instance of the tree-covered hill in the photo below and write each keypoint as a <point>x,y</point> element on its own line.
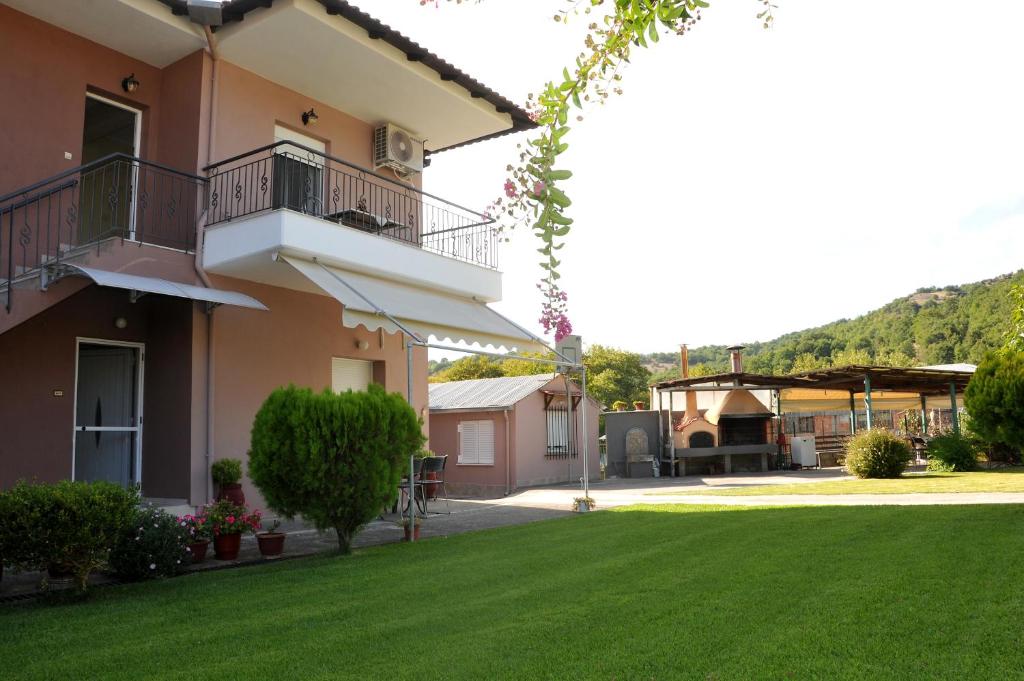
<point>930,326</point>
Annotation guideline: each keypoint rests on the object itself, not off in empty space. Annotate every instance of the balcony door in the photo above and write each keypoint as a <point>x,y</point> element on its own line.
<point>106,193</point>
<point>108,412</point>
<point>298,173</point>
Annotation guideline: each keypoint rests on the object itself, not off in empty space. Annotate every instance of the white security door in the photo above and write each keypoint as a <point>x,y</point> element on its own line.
<point>350,374</point>
<point>107,425</point>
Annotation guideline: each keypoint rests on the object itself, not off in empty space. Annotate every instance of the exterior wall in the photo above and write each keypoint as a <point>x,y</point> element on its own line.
<point>532,465</point>
<point>40,358</point>
<point>48,73</point>
<point>256,352</point>
<point>469,479</point>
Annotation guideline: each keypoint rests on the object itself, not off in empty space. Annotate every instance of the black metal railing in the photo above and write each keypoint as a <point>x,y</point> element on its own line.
<point>288,175</point>
<point>117,196</point>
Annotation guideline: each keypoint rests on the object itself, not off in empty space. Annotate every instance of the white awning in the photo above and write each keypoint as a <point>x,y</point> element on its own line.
<point>133,282</point>
<point>434,314</point>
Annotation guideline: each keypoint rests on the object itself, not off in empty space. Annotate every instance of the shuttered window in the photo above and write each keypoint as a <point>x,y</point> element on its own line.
<point>350,374</point>
<point>562,440</point>
<point>476,442</point>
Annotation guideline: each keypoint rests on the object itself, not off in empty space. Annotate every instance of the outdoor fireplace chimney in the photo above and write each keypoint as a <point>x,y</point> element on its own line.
<point>684,368</point>
<point>736,359</point>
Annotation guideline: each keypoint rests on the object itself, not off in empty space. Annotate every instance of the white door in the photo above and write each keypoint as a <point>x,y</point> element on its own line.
<point>350,374</point>
<point>107,409</point>
<point>107,194</point>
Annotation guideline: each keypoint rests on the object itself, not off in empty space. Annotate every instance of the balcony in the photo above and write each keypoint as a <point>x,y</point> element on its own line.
<point>115,198</point>
<point>289,199</point>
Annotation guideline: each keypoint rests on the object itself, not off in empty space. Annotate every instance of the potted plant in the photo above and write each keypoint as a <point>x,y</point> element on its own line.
<point>583,504</point>
<point>619,405</point>
<point>638,405</point>
<point>227,476</point>
<point>271,542</point>
<point>199,533</point>
<point>229,522</point>
<point>411,527</point>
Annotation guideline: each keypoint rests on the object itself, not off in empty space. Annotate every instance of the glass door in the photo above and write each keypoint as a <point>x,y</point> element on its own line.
<point>107,413</point>
<point>107,193</point>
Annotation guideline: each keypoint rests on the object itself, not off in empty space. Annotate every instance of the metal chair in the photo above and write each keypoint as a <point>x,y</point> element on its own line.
<point>434,465</point>
<point>403,487</point>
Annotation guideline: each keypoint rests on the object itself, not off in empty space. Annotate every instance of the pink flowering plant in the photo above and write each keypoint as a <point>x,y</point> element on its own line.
<point>197,527</point>
<point>225,517</point>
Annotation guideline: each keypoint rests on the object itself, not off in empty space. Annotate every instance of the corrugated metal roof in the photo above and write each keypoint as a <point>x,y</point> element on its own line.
<point>485,393</point>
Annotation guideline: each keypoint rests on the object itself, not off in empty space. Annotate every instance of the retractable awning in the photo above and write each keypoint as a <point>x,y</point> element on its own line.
<point>163,287</point>
<point>368,300</point>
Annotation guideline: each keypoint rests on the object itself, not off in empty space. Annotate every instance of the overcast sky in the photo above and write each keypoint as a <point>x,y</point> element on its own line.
<point>750,182</point>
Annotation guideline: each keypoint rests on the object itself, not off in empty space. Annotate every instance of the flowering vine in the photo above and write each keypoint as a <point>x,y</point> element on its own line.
<point>533,196</point>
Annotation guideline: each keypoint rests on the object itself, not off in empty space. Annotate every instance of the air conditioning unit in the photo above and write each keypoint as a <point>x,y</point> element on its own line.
<point>397,149</point>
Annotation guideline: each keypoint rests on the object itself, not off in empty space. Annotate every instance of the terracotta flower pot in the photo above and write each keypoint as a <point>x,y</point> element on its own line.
<point>638,406</point>
<point>430,491</point>
<point>271,543</point>
<point>233,493</point>
<point>198,550</point>
<point>225,546</point>
<point>414,532</point>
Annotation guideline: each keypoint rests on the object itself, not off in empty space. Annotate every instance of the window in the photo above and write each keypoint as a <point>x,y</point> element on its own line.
<point>561,443</point>
<point>476,442</point>
<point>350,374</point>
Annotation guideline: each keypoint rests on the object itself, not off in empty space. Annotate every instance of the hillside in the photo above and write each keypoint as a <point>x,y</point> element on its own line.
<point>929,326</point>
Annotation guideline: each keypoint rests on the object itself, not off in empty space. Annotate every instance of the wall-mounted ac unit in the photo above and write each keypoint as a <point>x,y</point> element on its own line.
<point>397,149</point>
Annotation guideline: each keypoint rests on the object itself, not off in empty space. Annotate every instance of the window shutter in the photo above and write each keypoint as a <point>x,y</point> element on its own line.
<point>476,442</point>
<point>350,374</point>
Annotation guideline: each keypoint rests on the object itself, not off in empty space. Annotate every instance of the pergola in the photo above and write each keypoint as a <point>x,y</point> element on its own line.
<point>896,386</point>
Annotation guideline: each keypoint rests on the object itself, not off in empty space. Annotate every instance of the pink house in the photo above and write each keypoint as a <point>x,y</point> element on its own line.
<point>191,196</point>
<point>502,434</point>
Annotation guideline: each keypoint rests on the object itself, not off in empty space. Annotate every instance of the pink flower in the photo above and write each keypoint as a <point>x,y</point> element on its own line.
<point>230,519</point>
<point>538,188</point>
<point>510,189</point>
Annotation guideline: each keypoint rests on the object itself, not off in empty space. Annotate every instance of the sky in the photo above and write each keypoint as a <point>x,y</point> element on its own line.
<point>753,182</point>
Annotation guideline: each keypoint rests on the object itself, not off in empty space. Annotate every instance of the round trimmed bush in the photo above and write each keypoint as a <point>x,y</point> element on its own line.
<point>877,454</point>
<point>226,472</point>
<point>952,452</point>
<point>995,400</point>
<point>335,459</point>
<point>156,545</point>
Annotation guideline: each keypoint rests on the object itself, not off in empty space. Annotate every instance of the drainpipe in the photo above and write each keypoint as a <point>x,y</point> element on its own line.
<point>508,456</point>
<point>211,43</point>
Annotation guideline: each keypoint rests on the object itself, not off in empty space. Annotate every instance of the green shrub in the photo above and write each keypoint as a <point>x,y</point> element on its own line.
<point>226,472</point>
<point>952,452</point>
<point>877,454</point>
<point>69,526</point>
<point>334,459</point>
<point>155,545</point>
<point>995,399</point>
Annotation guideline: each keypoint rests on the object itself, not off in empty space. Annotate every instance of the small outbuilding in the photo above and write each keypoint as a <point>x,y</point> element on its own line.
<point>502,434</point>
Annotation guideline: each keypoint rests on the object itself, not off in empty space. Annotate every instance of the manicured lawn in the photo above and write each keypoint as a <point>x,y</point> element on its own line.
<point>669,592</point>
<point>910,483</point>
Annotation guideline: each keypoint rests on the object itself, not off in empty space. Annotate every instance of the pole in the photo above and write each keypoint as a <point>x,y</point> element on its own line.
<point>412,455</point>
<point>924,415</point>
<point>956,416</point>
<point>853,415</point>
<point>867,400</point>
<point>568,423</point>
<point>586,433</point>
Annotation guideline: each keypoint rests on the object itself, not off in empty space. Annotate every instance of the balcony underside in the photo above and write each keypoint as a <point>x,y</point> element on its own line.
<point>244,248</point>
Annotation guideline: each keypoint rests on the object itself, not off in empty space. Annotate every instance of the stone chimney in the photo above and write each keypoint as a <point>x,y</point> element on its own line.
<point>736,359</point>
<point>684,370</point>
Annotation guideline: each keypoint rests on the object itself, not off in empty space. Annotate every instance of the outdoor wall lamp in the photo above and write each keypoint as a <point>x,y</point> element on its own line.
<point>362,345</point>
<point>309,117</point>
<point>121,323</point>
<point>130,84</point>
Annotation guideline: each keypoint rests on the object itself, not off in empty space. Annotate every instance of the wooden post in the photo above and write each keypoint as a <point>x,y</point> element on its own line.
<point>956,416</point>
<point>853,415</point>
<point>867,401</point>
<point>924,415</point>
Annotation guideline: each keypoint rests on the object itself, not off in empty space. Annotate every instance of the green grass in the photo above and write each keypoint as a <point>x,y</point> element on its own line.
<point>666,592</point>
<point>910,483</point>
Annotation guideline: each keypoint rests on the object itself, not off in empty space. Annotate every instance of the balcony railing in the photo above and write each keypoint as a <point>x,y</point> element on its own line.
<point>287,175</point>
<point>117,196</point>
